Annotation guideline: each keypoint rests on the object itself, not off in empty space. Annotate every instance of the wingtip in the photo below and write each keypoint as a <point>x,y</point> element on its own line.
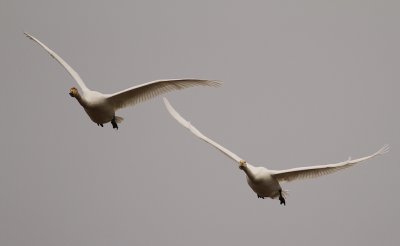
<point>28,35</point>
<point>166,102</point>
<point>216,83</point>
<point>385,149</point>
<point>168,106</point>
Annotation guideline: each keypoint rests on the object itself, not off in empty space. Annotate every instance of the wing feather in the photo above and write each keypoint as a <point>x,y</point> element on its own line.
<point>316,171</point>
<point>140,93</point>
<point>63,63</point>
<point>198,134</point>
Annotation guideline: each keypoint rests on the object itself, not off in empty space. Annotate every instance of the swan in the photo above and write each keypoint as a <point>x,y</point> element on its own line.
<point>265,182</point>
<point>101,107</point>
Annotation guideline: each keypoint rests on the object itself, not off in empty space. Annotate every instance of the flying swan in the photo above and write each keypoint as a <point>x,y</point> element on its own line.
<point>265,182</point>
<point>101,107</point>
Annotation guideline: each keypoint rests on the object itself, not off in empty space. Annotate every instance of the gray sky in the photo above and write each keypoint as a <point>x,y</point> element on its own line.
<point>306,82</point>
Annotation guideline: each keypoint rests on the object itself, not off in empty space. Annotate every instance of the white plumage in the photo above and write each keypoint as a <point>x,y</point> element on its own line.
<point>265,182</point>
<point>101,107</point>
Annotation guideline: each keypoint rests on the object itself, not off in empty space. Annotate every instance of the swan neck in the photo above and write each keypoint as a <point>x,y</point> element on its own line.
<point>249,170</point>
<point>80,99</point>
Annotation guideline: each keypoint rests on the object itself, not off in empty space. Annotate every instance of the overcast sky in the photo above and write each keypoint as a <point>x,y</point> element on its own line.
<point>305,82</point>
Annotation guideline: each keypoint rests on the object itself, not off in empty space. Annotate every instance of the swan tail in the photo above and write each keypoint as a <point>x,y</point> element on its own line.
<point>118,119</point>
<point>285,193</point>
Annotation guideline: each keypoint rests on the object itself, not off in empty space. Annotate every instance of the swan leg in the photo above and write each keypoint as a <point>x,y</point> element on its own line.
<point>260,196</point>
<point>114,123</point>
<point>281,198</point>
<point>100,124</point>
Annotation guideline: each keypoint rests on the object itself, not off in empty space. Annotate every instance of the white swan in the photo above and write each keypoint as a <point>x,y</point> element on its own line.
<point>265,182</point>
<point>101,107</point>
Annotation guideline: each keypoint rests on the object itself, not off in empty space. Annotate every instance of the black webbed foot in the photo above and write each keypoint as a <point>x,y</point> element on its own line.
<point>114,123</point>
<point>281,198</point>
<point>260,196</point>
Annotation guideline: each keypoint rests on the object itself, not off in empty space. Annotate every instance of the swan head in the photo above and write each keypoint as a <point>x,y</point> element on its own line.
<point>242,164</point>
<point>73,92</point>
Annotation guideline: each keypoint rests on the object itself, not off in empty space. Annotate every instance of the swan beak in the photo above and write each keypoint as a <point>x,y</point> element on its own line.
<point>242,164</point>
<point>72,95</point>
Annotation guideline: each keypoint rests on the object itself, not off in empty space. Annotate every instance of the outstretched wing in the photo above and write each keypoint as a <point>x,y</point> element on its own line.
<point>67,67</point>
<point>197,133</point>
<point>316,171</point>
<point>143,92</point>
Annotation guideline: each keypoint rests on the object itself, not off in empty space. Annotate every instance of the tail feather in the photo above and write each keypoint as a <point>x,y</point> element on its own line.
<point>118,119</point>
<point>285,193</point>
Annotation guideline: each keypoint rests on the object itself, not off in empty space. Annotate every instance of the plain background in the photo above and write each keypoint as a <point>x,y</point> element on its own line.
<point>306,82</point>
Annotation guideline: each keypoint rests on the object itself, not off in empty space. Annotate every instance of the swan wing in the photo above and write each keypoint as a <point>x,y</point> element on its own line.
<point>197,133</point>
<point>316,171</point>
<point>67,67</point>
<point>143,92</point>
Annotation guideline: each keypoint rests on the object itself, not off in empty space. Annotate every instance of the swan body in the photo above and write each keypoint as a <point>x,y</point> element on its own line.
<point>97,108</point>
<point>101,107</point>
<point>265,182</point>
<point>261,181</point>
